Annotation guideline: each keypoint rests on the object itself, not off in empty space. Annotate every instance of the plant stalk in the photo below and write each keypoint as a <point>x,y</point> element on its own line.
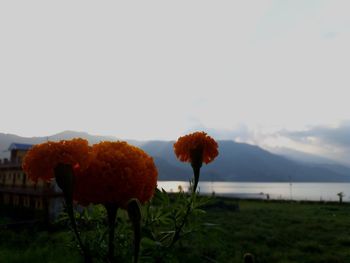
<point>112,210</point>
<point>134,212</point>
<point>196,172</point>
<point>65,180</point>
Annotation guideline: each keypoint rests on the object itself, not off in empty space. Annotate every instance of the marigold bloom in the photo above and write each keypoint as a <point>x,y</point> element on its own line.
<point>117,173</point>
<point>40,161</point>
<point>196,143</point>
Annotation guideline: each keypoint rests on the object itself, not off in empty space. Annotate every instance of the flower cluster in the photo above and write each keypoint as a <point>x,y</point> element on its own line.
<point>40,161</point>
<point>117,173</point>
<point>199,143</point>
<point>108,172</point>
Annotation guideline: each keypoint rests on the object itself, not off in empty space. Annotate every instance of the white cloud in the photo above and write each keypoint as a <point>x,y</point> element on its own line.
<point>157,69</point>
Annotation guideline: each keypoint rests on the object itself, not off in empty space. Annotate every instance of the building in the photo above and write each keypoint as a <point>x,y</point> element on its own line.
<point>41,200</point>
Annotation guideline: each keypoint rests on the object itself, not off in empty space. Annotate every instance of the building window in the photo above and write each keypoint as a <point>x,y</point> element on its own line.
<point>16,200</point>
<point>26,201</point>
<point>23,180</point>
<point>6,199</point>
<point>38,204</point>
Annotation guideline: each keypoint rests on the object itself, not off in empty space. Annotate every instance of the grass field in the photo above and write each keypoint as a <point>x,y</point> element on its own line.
<point>282,232</point>
<point>273,231</point>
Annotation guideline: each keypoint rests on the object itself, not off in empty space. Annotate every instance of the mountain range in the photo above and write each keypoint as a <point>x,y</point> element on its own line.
<point>239,162</point>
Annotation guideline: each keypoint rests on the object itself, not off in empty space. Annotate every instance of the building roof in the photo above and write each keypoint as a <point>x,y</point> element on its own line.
<point>20,146</point>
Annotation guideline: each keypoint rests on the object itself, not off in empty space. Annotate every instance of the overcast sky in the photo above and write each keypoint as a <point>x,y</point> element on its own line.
<point>255,71</point>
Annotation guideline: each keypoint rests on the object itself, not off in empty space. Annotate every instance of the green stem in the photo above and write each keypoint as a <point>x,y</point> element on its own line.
<point>196,166</point>
<point>65,180</point>
<point>196,172</point>
<point>70,213</point>
<point>134,212</point>
<point>137,242</point>
<point>196,163</point>
<point>178,229</point>
<point>112,210</point>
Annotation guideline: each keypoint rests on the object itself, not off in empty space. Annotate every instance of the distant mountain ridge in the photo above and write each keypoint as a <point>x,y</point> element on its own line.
<point>6,139</point>
<point>301,156</point>
<point>244,162</point>
<point>236,161</point>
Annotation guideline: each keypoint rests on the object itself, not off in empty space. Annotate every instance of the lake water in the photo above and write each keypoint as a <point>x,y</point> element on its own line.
<point>294,191</point>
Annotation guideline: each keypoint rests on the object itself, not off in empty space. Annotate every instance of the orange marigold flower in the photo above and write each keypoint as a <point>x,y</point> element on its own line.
<point>117,173</point>
<point>188,147</point>
<point>41,160</point>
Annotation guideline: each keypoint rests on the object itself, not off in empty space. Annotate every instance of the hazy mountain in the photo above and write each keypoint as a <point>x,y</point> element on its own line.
<point>7,139</point>
<point>244,162</point>
<point>301,156</point>
<point>236,161</point>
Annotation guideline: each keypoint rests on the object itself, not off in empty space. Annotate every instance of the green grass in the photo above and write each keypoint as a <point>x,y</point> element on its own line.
<point>281,232</point>
<point>272,231</point>
<point>36,246</point>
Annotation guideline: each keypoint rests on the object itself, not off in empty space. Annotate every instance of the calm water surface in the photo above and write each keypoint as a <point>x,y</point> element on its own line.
<point>295,191</point>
